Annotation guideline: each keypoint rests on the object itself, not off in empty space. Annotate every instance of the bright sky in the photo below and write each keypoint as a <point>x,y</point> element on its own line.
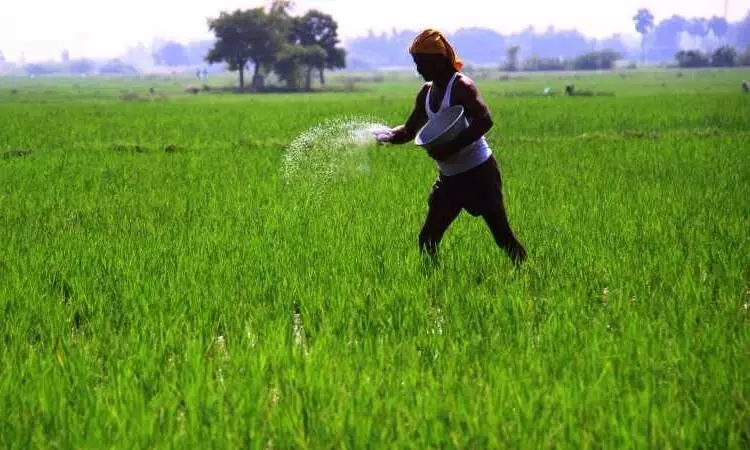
<point>40,29</point>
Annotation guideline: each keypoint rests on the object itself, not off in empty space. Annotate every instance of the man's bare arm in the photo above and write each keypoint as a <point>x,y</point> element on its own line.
<point>418,117</point>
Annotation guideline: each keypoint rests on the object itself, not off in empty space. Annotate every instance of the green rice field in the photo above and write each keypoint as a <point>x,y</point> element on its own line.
<point>166,283</point>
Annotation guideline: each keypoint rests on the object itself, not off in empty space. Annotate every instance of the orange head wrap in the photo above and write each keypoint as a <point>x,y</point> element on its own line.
<point>432,41</point>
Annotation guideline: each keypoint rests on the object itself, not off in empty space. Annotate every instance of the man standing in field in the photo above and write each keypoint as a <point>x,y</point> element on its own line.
<point>469,177</point>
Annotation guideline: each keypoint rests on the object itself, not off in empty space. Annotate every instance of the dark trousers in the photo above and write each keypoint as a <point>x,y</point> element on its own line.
<point>479,192</point>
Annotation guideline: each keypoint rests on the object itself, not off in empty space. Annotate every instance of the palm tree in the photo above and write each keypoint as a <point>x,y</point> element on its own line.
<point>644,23</point>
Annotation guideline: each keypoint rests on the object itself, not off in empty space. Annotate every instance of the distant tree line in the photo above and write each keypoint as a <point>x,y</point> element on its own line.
<point>723,57</point>
<point>598,60</point>
<point>138,59</point>
<point>83,66</point>
<point>659,42</point>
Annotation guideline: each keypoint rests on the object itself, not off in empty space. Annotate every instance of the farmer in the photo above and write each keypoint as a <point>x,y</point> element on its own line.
<point>469,176</point>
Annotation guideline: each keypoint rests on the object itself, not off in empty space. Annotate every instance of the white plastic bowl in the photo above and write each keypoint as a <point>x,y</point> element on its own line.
<point>442,128</point>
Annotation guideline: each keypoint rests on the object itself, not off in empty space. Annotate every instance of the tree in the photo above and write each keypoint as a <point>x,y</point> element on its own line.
<point>740,32</point>
<point>65,57</point>
<point>81,66</point>
<point>545,64</point>
<point>297,61</point>
<point>280,8</point>
<point>718,26</point>
<point>644,23</point>
<point>335,59</point>
<point>280,21</point>
<point>492,44</point>
<point>698,27</point>
<point>38,69</point>
<point>243,37</point>
<point>117,67</point>
<point>171,54</point>
<point>743,59</point>
<point>692,59</point>
<point>665,38</point>
<point>558,43</point>
<point>318,29</point>
<point>603,60</point>
<point>725,56</point>
<point>511,63</point>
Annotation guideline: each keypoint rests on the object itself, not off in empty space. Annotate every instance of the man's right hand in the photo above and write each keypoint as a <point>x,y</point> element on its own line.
<point>383,136</point>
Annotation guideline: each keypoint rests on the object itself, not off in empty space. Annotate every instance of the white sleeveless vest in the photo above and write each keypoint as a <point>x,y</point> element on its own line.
<point>468,157</point>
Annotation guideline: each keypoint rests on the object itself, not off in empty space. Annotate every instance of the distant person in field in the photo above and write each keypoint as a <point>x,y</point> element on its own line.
<point>469,176</point>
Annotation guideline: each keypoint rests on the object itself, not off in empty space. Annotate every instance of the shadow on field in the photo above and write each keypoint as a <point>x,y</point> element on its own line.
<point>140,148</point>
<point>16,153</point>
<point>129,96</point>
<point>333,88</point>
<point>622,135</point>
<point>554,94</point>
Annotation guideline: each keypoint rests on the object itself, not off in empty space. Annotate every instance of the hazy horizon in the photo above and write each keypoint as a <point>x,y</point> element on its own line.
<point>40,30</point>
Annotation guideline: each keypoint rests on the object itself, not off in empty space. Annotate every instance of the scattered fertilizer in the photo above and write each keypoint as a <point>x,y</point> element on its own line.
<point>331,149</point>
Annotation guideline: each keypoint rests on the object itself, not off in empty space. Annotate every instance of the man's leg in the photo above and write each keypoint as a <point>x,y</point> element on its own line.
<point>440,215</point>
<point>497,220</point>
<point>491,206</point>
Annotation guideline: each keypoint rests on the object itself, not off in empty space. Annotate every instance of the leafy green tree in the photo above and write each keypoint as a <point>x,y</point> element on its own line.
<point>644,23</point>
<point>296,62</point>
<point>280,22</point>
<point>280,8</point>
<point>293,47</point>
<point>316,28</point>
<point>242,37</point>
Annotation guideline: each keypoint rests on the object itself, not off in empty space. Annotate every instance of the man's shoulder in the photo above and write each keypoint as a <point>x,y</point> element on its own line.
<point>423,90</point>
<point>465,81</point>
<point>465,87</point>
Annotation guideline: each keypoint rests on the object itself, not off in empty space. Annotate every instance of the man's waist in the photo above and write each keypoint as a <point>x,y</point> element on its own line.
<point>466,158</point>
